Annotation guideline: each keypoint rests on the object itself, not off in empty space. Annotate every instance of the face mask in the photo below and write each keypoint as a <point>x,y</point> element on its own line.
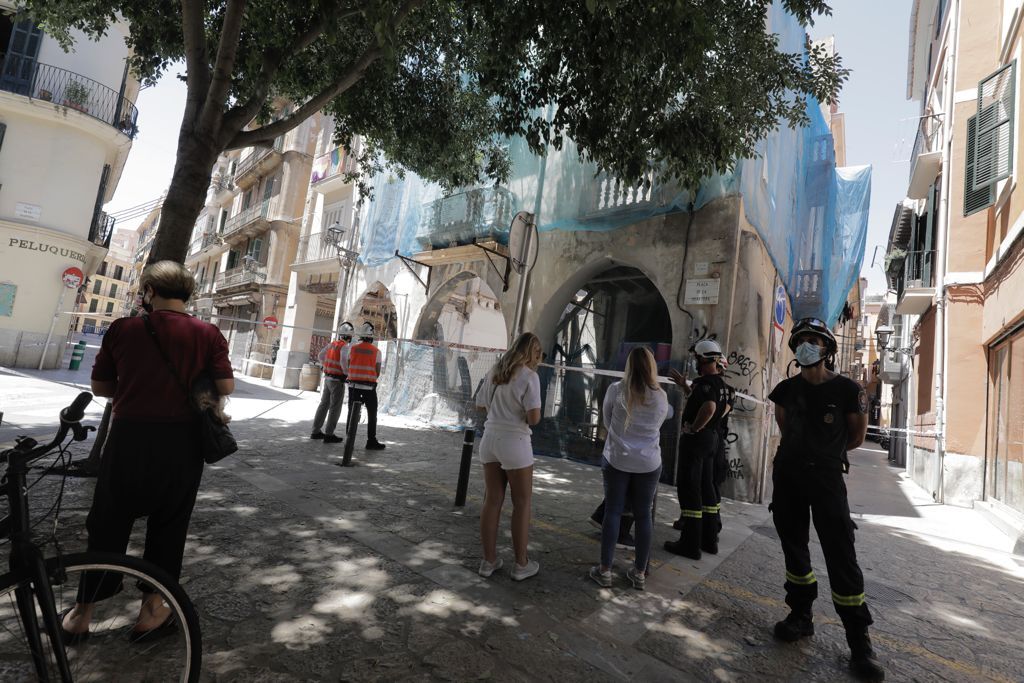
<point>808,354</point>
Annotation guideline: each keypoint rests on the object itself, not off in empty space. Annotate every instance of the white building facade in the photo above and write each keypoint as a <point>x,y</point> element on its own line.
<point>67,121</point>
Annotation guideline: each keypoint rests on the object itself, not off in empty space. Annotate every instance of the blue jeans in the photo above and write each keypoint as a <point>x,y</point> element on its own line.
<point>639,489</point>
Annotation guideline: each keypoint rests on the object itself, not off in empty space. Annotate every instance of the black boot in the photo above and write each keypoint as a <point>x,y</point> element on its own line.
<point>863,664</point>
<point>712,524</point>
<point>794,627</point>
<point>688,544</point>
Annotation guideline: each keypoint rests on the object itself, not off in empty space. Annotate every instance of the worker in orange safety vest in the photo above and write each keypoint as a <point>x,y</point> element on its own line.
<point>361,362</point>
<point>333,392</point>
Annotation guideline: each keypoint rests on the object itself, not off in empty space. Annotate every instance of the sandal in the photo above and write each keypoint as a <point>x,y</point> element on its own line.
<point>67,637</point>
<point>168,628</point>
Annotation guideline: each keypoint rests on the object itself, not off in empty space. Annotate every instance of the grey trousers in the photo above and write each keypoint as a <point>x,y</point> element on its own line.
<point>331,397</point>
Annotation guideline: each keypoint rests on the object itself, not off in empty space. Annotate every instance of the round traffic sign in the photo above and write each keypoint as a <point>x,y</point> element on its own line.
<point>270,322</point>
<point>780,306</point>
<point>72,277</point>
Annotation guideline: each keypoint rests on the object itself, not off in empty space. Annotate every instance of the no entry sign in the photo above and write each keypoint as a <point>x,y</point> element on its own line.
<point>270,322</point>
<point>72,277</point>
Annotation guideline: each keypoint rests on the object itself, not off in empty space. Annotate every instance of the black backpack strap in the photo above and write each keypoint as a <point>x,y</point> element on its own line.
<point>170,366</point>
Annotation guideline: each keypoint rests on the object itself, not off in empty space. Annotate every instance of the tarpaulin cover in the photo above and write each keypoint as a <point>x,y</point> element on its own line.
<point>811,215</point>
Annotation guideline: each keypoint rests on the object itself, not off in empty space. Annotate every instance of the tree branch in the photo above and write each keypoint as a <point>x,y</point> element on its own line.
<point>270,131</point>
<point>227,50</point>
<point>197,72</point>
<point>267,133</point>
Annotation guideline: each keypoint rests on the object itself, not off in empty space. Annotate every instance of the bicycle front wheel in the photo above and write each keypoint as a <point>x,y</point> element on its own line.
<point>113,650</point>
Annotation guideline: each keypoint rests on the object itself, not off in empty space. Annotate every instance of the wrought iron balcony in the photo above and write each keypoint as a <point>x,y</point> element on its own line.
<point>330,169</point>
<point>252,218</point>
<point>316,247</point>
<point>258,160</point>
<point>102,229</point>
<point>238,277</point>
<point>915,282</point>
<point>28,77</point>
<point>465,217</point>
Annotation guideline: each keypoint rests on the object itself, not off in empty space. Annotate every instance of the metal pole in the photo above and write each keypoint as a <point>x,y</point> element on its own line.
<point>355,407</point>
<point>49,335</point>
<point>467,459</point>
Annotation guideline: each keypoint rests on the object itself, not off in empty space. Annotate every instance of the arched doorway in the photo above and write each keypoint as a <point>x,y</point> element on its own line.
<point>375,307</point>
<point>613,311</point>
<point>464,310</point>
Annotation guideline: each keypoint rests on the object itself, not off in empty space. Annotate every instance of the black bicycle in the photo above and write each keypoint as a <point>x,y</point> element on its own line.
<point>38,591</point>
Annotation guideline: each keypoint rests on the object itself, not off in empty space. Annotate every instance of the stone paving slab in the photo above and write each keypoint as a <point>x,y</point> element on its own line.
<point>304,570</point>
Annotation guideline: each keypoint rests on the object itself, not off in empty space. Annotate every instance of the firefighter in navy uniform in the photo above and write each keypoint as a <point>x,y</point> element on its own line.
<point>700,520</point>
<point>333,393</point>
<point>822,415</point>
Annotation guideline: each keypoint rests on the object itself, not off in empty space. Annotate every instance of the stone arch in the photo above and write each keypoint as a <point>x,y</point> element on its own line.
<point>468,296</point>
<point>375,306</point>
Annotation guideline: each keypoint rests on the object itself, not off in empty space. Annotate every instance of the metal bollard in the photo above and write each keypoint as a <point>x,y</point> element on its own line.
<point>467,459</point>
<point>350,436</point>
<point>77,354</point>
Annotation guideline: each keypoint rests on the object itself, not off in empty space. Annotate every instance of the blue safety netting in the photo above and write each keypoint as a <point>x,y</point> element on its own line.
<point>811,216</point>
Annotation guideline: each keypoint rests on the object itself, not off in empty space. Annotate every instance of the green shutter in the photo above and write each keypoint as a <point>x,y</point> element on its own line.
<point>994,149</point>
<point>975,200</point>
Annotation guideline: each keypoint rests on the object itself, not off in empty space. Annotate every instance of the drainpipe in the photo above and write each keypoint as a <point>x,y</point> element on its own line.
<point>941,255</point>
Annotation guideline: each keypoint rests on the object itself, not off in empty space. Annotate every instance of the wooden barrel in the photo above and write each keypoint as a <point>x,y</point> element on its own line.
<point>309,378</point>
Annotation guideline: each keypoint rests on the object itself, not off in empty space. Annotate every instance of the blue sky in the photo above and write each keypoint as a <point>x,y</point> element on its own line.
<point>871,36</point>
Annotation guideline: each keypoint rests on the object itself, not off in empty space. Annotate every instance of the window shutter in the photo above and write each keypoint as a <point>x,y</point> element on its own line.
<point>975,200</point>
<point>994,127</point>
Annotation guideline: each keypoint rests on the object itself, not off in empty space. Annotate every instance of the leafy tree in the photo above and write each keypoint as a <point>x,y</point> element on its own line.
<point>434,85</point>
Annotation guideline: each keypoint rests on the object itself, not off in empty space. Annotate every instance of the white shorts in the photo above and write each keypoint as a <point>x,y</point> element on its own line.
<point>513,450</point>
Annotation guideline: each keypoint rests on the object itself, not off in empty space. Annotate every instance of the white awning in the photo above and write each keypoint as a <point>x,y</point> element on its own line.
<point>926,169</point>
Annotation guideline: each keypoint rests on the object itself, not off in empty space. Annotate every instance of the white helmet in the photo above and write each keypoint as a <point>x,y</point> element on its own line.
<point>366,330</point>
<point>346,329</point>
<point>708,348</point>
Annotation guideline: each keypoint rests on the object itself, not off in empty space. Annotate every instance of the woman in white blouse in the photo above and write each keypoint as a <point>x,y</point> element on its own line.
<point>633,412</point>
<point>510,396</point>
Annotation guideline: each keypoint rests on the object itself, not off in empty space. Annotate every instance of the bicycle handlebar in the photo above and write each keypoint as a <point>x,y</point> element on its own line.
<point>70,417</point>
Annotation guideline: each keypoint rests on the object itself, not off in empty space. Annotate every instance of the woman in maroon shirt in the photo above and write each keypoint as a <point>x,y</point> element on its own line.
<point>151,464</point>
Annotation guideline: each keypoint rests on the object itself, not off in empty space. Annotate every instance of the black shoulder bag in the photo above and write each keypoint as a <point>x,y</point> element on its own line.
<point>215,441</point>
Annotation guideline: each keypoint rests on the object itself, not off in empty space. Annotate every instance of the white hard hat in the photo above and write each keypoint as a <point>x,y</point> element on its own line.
<point>366,330</point>
<point>708,348</point>
<point>346,328</point>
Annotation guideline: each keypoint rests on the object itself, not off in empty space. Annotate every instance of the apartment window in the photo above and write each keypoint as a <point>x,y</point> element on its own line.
<point>110,307</point>
<point>118,273</point>
<point>113,291</point>
<point>221,220</point>
<point>256,251</point>
<point>333,214</point>
<point>233,258</point>
<point>1006,422</point>
<point>97,286</point>
<point>990,139</point>
<point>93,305</point>
<point>103,269</point>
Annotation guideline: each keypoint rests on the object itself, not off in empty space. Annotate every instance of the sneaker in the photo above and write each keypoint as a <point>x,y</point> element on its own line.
<point>637,578</point>
<point>521,573</point>
<point>625,542</point>
<point>316,435</point>
<point>331,438</point>
<point>794,627</point>
<point>375,446</point>
<point>601,578</point>
<point>486,568</point>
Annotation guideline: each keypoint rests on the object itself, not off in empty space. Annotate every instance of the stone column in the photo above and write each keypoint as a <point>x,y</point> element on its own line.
<point>299,313</point>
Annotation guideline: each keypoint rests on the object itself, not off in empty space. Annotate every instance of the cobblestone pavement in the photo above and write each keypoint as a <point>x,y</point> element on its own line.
<point>304,570</point>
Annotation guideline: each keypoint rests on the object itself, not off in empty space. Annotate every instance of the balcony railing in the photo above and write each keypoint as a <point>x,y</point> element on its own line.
<point>245,275</point>
<point>332,164</point>
<point>247,217</point>
<point>464,218</point>
<point>608,195</point>
<point>102,229</point>
<point>917,272</point>
<point>28,77</point>
<point>316,247</point>
<point>246,165</point>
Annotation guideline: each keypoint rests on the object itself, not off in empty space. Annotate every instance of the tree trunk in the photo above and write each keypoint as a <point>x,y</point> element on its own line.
<point>185,199</point>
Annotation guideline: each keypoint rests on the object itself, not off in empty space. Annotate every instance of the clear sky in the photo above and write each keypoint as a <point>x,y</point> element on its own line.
<point>871,36</point>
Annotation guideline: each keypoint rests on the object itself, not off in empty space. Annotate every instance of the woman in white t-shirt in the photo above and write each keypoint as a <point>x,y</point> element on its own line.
<point>510,396</point>
<point>633,412</point>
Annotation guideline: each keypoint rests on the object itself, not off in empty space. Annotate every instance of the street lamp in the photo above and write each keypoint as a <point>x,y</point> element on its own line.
<point>883,334</point>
